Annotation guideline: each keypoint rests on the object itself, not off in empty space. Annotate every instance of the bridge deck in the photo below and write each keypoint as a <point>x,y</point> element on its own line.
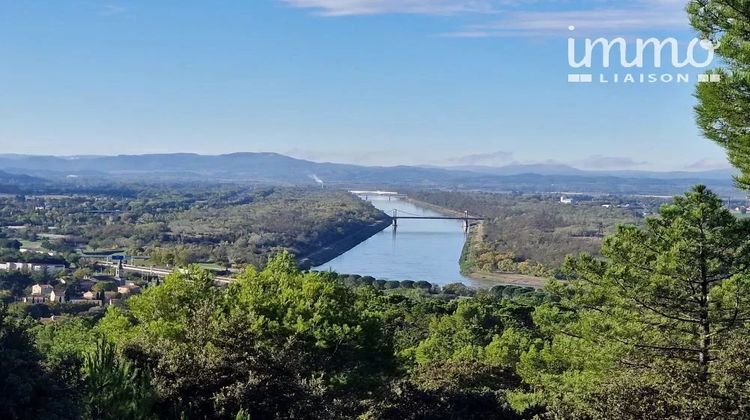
<point>438,217</point>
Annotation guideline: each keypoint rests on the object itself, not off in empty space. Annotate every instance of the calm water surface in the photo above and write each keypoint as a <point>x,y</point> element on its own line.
<point>417,250</point>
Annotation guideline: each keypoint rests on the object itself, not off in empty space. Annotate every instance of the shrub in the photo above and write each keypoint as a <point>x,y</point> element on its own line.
<point>407,284</point>
<point>423,285</point>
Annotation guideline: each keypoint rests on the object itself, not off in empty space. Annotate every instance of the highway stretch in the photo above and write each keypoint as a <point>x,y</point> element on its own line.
<point>160,272</point>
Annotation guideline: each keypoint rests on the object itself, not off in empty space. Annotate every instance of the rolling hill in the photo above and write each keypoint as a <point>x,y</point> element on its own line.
<point>273,168</point>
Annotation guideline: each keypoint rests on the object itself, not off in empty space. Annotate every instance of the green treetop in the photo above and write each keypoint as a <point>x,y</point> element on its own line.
<point>660,310</point>
<point>723,112</point>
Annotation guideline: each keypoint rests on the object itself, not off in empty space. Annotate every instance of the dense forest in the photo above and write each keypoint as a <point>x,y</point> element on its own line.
<point>655,330</point>
<point>176,225</point>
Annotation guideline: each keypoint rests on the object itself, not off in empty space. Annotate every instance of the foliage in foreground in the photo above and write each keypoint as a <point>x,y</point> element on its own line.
<point>281,343</point>
<point>656,329</point>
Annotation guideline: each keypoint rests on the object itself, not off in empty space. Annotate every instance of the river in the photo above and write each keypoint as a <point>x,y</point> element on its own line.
<point>416,250</point>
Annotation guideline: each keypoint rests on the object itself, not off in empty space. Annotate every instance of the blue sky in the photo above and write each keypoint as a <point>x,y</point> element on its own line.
<point>365,81</point>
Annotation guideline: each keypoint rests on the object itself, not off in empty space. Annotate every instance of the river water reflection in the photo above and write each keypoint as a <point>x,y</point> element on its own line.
<point>417,250</point>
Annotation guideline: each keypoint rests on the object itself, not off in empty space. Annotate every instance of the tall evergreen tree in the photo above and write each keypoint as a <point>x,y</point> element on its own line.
<point>649,324</point>
<point>115,389</point>
<point>723,112</point>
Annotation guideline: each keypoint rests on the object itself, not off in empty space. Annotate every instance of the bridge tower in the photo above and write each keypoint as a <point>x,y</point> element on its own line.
<point>395,218</point>
<point>466,220</point>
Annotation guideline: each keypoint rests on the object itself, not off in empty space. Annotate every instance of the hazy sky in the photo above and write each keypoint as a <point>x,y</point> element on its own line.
<point>363,81</point>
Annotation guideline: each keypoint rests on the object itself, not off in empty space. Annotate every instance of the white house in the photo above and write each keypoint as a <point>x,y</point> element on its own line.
<point>57,295</point>
<point>128,289</point>
<point>41,290</point>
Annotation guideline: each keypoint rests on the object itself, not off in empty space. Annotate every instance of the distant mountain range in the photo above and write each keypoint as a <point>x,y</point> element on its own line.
<point>274,168</point>
<point>255,167</point>
<point>560,169</point>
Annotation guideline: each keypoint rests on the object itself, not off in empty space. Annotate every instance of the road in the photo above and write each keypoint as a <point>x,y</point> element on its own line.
<point>160,272</point>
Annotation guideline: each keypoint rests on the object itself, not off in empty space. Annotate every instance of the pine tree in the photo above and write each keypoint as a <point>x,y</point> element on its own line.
<point>651,321</point>
<point>723,112</point>
<point>114,388</point>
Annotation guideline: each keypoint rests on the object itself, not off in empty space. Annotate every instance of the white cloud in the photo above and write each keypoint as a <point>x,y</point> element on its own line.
<point>112,10</point>
<point>368,157</point>
<point>499,158</point>
<point>709,164</point>
<point>665,15</point>
<point>600,162</point>
<point>371,7</point>
<point>521,17</point>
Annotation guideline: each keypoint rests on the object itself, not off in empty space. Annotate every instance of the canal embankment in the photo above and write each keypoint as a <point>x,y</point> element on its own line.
<point>343,245</point>
<point>433,207</point>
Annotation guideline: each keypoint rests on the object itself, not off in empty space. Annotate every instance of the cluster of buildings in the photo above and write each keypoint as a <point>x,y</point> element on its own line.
<point>32,267</point>
<point>84,291</point>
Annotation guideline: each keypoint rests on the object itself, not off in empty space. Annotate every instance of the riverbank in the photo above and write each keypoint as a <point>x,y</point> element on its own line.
<point>433,207</point>
<point>343,245</point>
<point>481,278</point>
<point>489,279</point>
